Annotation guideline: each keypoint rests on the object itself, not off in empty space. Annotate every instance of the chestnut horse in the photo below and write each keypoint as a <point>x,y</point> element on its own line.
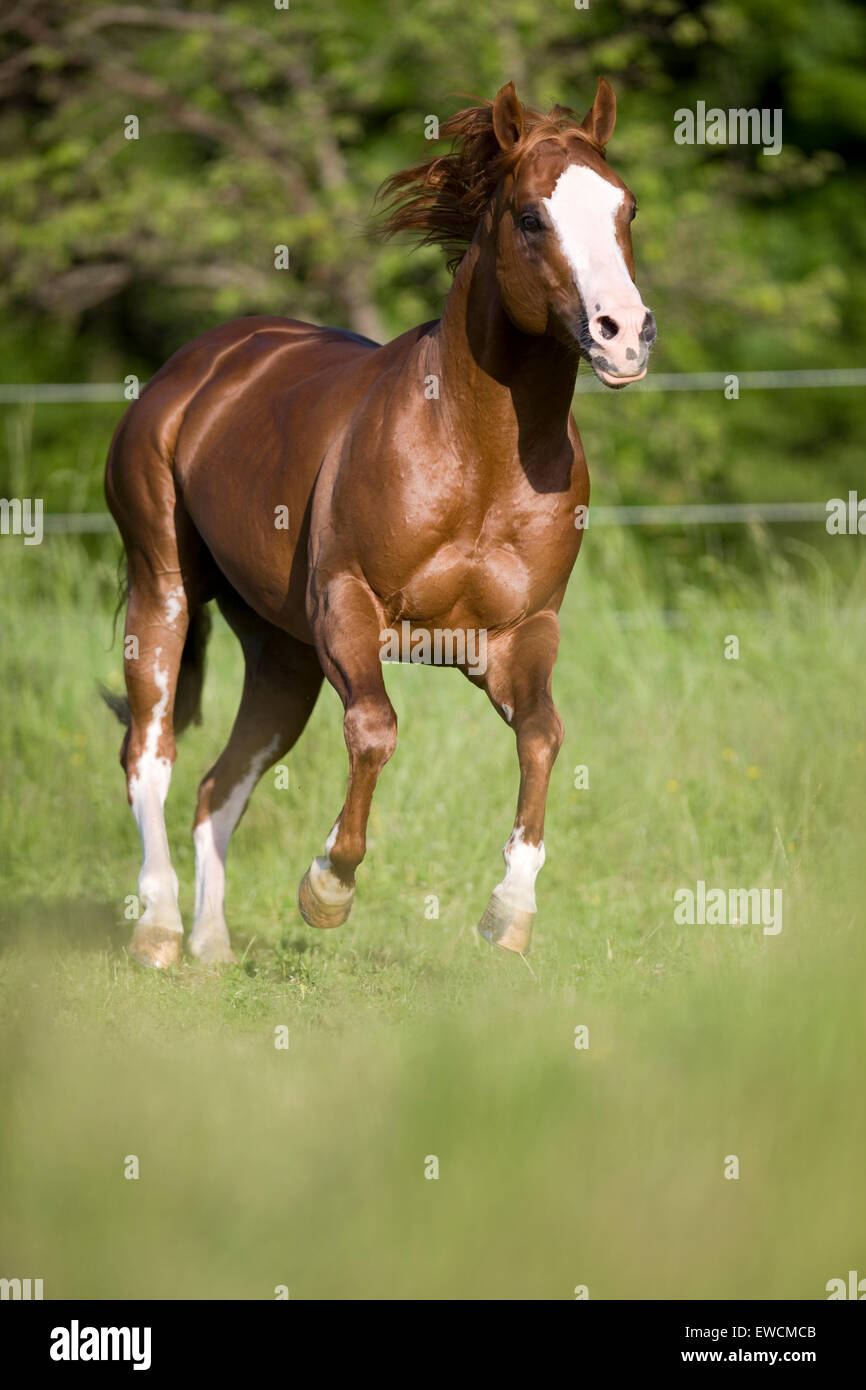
<point>327,491</point>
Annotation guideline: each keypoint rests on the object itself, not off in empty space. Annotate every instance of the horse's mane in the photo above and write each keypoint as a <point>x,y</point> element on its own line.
<point>443,200</point>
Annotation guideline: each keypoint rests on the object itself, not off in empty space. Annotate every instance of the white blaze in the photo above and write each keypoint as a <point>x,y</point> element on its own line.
<point>583,208</point>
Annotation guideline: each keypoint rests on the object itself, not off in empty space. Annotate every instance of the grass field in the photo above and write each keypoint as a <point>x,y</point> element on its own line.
<point>409,1038</point>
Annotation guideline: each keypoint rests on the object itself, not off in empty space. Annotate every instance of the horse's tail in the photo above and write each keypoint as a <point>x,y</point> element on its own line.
<point>190,680</point>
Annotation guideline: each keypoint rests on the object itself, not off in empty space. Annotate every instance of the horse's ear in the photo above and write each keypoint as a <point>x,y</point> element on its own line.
<point>507,117</point>
<point>600,120</point>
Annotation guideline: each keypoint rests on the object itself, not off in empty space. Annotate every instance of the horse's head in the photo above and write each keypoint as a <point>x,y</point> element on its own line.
<point>563,236</point>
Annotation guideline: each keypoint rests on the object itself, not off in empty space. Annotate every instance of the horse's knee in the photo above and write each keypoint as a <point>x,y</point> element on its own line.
<point>541,732</point>
<point>370,728</point>
<point>556,733</point>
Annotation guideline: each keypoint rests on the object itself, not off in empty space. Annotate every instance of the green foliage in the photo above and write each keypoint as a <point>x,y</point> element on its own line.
<point>261,127</point>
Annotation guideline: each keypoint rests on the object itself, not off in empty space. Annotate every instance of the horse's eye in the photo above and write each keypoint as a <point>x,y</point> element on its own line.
<point>633,213</point>
<point>530,223</point>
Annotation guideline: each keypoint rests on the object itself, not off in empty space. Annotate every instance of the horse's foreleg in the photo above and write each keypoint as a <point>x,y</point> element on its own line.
<point>347,639</point>
<point>517,681</point>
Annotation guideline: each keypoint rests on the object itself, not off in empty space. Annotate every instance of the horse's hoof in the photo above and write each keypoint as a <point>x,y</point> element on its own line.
<point>210,952</point>
<point>155,947</point>
<point>324,901</point>
<point>508,927</point>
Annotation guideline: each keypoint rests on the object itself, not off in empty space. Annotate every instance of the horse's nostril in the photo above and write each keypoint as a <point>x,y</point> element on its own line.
<point>608,326</point>
<point>649,332</point>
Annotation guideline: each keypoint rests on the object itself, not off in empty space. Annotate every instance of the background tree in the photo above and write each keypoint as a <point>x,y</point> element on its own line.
<point>261,127</point>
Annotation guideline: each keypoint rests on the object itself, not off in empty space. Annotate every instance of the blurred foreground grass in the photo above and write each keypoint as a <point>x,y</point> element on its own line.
<point>408,1037</point>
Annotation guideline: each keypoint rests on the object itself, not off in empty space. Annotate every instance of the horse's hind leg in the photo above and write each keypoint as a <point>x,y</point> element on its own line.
<point>156,627</point>
<point>168,571</point>
<point>282,679</point>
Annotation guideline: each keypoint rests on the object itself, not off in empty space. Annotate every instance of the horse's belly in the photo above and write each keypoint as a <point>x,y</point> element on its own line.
<point>455,590</point>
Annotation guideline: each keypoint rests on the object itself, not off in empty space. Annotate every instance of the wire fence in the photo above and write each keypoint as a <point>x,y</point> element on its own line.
<point>68,393</point>
<point>698,514</point>
<point>746,381</point>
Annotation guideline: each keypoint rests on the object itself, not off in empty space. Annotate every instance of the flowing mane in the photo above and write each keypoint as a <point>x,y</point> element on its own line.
<point>443,200</point>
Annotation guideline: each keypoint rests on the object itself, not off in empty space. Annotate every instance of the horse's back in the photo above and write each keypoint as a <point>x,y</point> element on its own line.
<point>225,372</point>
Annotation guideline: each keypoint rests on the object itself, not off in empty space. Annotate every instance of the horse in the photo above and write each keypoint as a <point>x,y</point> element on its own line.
<point>326,491</point>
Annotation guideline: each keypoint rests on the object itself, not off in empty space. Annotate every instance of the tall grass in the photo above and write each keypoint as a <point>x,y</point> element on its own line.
<point>409,1038</point>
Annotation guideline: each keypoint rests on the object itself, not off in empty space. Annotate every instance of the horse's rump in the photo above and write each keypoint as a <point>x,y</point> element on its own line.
<point>232,430</point>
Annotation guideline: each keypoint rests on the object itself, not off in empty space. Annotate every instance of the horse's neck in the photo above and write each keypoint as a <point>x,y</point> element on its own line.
<point>501,389</point>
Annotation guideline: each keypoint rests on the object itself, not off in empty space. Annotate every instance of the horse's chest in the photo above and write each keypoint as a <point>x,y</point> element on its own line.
<point>485,587</point>
<point>453,559</point>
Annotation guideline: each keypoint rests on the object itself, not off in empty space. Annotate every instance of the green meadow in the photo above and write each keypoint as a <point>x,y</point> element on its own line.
<point>409,1039</point>
<point>412,1045</point>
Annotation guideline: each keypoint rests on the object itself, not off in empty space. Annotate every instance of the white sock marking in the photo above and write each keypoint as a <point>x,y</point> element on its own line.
<point>211,839</point>
<point>328,884</point>
<point>522,863</point>
<point>148,789</point>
